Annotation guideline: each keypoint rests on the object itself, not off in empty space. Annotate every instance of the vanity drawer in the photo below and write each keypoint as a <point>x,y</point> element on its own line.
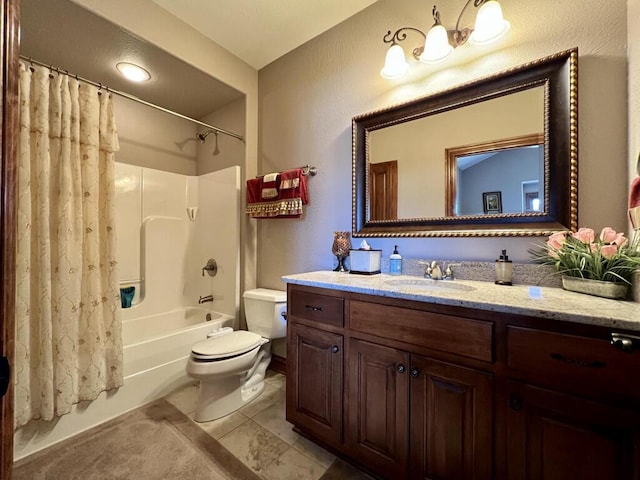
<point>317,308</point>
<point>446,333</point>
<point>573,362</point>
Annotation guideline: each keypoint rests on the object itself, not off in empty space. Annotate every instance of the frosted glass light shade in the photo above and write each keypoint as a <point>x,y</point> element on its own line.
<point>133,72</point>
<point>395,63</point>
<point>490,24</point>
<point>436,45</point>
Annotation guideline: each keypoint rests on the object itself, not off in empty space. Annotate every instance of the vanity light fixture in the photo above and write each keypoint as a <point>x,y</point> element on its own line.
<point>439,42</point>
<point>133,72</point>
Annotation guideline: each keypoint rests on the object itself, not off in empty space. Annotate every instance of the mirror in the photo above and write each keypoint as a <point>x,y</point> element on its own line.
<point>494,157</point>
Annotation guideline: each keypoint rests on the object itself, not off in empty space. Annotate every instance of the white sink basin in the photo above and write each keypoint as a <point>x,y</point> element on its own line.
<point>422,284</point>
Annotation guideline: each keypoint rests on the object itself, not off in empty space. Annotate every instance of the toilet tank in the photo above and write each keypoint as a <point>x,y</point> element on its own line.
<point>263,309</point>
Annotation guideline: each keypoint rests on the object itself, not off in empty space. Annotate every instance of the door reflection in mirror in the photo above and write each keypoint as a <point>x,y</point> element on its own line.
<point>509,171</point>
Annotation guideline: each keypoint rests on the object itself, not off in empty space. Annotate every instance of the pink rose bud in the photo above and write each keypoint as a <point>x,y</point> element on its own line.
<point>609,251</point>
<point>608,235</point>
<point>556,240</point>
<point>585,235</point>
<point>620,240</point>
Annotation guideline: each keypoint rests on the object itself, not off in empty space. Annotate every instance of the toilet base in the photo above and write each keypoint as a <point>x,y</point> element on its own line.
<point>225,395</point>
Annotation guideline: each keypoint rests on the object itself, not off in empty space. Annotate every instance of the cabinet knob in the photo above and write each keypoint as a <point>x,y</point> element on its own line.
<point>335,349</point>
<point>515,402</point>
<point>415,373</point>
<point>626,343</point>
<point>401,368</point>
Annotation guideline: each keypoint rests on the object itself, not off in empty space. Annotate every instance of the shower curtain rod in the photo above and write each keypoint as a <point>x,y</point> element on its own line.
<point>133,97</point>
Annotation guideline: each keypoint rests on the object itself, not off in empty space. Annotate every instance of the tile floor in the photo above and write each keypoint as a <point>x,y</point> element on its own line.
<point>260,437</point>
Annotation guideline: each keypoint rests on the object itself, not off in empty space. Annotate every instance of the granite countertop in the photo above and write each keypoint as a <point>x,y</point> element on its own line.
<point>544,302</point>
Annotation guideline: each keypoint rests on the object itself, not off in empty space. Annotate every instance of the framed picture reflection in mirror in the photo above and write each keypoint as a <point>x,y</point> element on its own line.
<point>492,202</point>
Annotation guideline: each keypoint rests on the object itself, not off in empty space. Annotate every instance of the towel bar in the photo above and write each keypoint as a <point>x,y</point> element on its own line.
<point>307,171</point>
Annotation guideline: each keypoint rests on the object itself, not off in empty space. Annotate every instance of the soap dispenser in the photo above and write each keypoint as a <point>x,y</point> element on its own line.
<point>504,269</point>
<point>395,262</point>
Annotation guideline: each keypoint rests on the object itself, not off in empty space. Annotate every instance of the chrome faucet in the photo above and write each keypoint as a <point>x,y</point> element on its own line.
<point>434,272</point>
<point>205,299</point>
<point>448,273</point>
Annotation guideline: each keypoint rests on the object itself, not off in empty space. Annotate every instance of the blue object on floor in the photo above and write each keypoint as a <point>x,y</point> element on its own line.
<point>126,296</point>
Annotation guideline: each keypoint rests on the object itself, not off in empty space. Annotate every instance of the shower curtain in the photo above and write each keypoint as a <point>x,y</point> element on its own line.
<point>68,324</point>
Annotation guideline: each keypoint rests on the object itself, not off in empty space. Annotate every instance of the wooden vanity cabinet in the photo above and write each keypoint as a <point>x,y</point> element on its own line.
<point>451,421</point>
<point>314,382</point>
<point>315,365</point>
<point>422,391</point>
<point>437,414</point>
<point>377,398</point>
<point>575,411</point>
<point>406,407</point>
<point>406,415</point>
<point>555,436</point>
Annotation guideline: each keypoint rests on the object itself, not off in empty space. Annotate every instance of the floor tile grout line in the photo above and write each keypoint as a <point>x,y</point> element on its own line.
<point>278,387</point>
<point>307,455</point>
<point>322,468</point>
<point>265,466</point>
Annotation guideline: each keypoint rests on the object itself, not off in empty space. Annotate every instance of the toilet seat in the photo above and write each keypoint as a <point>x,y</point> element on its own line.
<point>227,346</point>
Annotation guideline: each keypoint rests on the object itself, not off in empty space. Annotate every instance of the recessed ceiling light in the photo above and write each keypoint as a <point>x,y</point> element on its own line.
<point>133,72</point>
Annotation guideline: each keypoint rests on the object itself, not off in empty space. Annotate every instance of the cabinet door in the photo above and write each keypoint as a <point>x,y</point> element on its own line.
<point>314,382</point>
<point>377,407</point>
<point>451,421</point>
<point>553,436</point>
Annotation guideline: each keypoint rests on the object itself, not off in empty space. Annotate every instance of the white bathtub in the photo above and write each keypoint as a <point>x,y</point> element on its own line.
<point>156,341</point>
<point>156,349</point>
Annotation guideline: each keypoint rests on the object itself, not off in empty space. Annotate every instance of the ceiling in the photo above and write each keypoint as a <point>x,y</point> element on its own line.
<point>63,34</point>
<point>261,31</point>
<point>66,35</point>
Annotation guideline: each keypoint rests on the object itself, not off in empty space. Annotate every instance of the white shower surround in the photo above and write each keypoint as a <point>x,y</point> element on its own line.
<point>163,253</point>
<point>152,213</point>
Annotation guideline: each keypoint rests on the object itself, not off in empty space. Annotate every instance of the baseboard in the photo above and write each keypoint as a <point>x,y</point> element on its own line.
<point>278,364</point>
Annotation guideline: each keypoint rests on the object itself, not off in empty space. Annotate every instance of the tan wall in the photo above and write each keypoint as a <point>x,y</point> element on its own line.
<point>231,117</point>
<point>151,138</point>
<point>308,97</point>
<point>154,24</point>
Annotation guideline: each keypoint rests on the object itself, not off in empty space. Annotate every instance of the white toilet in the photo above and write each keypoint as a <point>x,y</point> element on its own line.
<point>231,364</point>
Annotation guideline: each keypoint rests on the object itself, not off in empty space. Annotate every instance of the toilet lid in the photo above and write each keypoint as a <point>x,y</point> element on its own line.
<point>229,345</point>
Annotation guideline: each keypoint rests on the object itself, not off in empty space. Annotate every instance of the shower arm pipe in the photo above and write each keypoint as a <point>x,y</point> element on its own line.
<point>133,97</point>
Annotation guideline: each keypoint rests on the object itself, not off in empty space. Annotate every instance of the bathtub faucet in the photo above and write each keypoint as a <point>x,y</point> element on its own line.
<point>205,299</point>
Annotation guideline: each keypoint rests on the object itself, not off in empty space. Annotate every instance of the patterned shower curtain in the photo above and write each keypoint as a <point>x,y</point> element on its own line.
<point>68,323</point>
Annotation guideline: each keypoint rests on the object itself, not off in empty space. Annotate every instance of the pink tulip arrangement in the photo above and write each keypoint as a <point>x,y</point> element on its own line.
<point>609,257</point>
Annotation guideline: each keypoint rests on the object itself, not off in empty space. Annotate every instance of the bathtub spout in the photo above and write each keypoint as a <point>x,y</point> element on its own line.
<point>205,299</point>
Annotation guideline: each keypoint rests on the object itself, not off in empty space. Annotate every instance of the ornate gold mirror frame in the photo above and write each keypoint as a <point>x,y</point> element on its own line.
<point>558,75</point>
